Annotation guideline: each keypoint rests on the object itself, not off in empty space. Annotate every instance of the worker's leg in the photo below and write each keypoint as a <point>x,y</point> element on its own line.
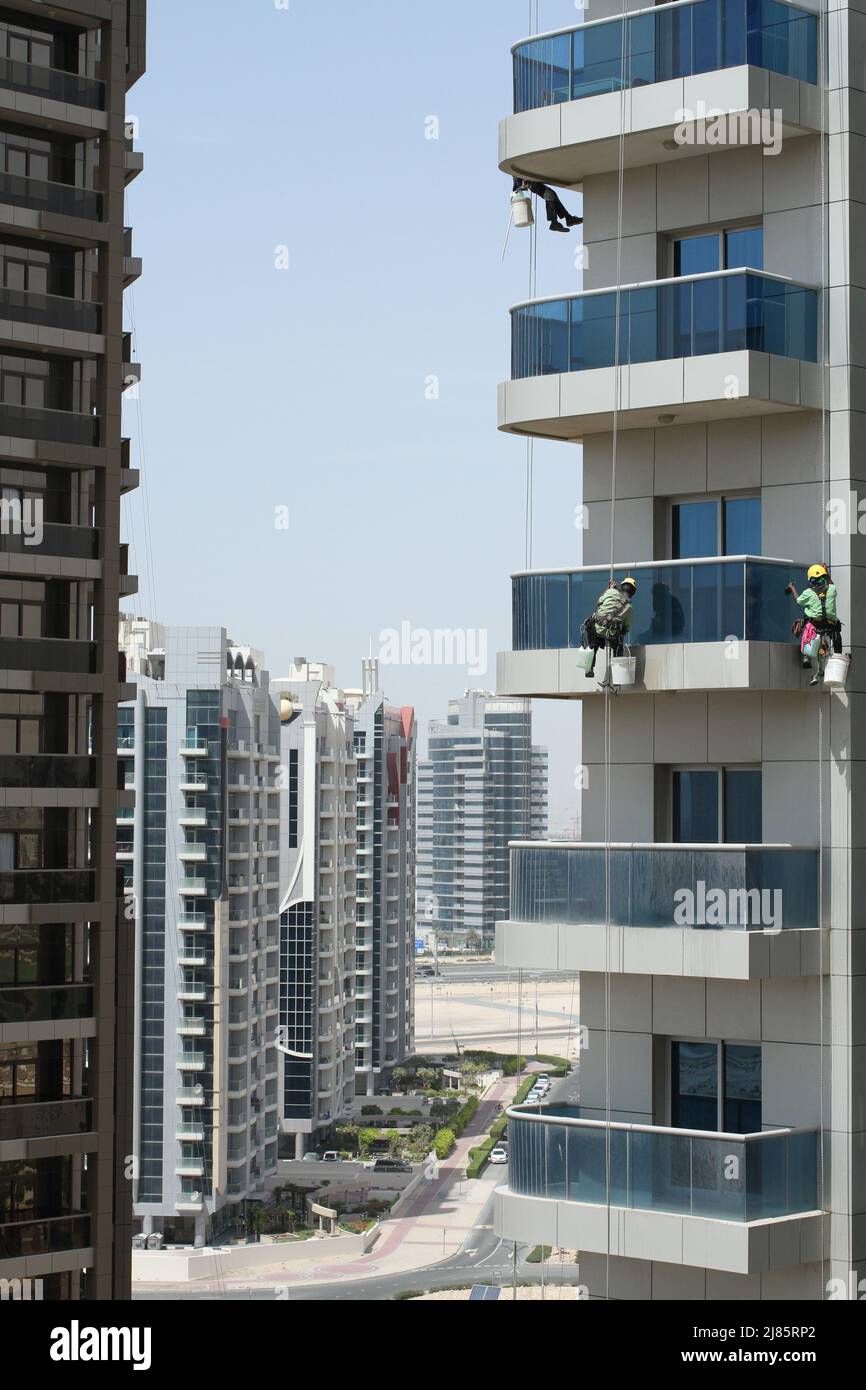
<point>596,643</point>
<point>815,660</point>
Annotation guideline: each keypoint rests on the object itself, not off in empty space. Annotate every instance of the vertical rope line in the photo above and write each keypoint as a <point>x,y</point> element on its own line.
<point>624,78</point>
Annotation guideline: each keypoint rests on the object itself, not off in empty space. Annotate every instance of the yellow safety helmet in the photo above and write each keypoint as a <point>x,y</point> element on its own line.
<point>628,580</point>
<point>816,572</point>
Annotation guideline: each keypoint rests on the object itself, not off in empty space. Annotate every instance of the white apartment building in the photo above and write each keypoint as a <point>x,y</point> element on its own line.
<point>200,855</point>
<point>718,1149</point>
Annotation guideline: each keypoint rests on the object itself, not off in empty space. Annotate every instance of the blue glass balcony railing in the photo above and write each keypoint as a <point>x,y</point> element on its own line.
<point>762,886</point>
<point>732,311</point>
<point>556,1154</point>
<point>678,601</point>
<point>665,42</point>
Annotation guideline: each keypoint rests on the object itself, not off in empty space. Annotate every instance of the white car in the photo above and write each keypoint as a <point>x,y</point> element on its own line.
<point>534,1097</point>
<point>498,1155</point>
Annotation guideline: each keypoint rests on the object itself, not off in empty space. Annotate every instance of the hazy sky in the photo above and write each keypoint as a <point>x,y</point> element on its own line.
<point>307,388</point>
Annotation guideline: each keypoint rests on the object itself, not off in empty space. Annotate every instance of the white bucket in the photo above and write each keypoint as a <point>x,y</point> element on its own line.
<point>836,671</point>
<point>622,670</point>
<point>521,208</point>
<point>584,658</point>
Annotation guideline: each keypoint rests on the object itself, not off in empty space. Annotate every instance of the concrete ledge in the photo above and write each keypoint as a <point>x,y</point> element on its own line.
<point>187,1265</point>
<point>685,952</point>
<point>748,1247</point>
<point>695,666</point>
<point>574,404</point>
<point>564,144</point>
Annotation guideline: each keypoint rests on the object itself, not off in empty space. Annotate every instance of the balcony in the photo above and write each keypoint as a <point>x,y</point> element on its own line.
<point>45,1119</point>
<point>575,89</point>
<point>44,195</point>
<point>46,887</point>
<point>52,426</point>
<point>50,310</point>
<point>721,623</point>
<point>69,542</point>
<point>672,1193</point>
<point>19,1239</point>
<point>681,343</point>
<point>54,84</point>
<point>58,654</point>
<point>45,1003</point>
<point>735,912</point>
<point>49,771</point>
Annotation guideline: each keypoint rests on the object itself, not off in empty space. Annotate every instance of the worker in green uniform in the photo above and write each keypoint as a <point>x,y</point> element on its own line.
<point>611,620</point>
<point>818,602</point>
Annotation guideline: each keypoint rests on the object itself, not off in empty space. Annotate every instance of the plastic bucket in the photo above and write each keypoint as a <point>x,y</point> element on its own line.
<point>521,207</point>
<point>622,670</point>
<point>584,658</point>
<point>836,672</point>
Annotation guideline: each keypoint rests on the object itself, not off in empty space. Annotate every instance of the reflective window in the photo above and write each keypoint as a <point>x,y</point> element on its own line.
<point>743,1088</point>
<point>695,1085</point>
<point>694,529</point>
<point>743,818</point>
<point>695,798</point>
<point>744,247</point>
<point>697,255</point>
<point>741,526</point>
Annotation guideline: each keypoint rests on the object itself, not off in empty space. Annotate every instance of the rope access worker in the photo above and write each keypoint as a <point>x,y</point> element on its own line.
<point>611,620</point>
<point>821,625</point>
<point>556,210</point>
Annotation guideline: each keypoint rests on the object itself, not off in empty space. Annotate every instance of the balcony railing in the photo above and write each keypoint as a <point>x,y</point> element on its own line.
<point>59,1233</point>
<point>48,654</point>
<point>43,195</point>
<point>55,83</point>
<point>63,771</point>
<point>54,426</point>
<point>678,601</point>
<point>52,538</point>
<point>761,886</point>
<point>644,1168</point>
<point>43,1003</point>
<point>670,41</point>
<point>46,886</point>
<point>728,311</point>
<point>50,310</point>
<point>45,1119</point>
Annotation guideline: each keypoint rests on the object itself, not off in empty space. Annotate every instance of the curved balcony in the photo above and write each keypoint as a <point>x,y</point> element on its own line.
<point>717,911</point>
<point>721,623</point>
<point>574,89</point>
<point>690,1197</point>
<point>705,347</point>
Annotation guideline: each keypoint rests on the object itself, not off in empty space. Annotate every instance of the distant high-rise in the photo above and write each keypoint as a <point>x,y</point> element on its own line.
<point>316,905</point>
<point>482,784</point>
<point>66,953</point>
<point>200,854</point>
<point>385,748</point>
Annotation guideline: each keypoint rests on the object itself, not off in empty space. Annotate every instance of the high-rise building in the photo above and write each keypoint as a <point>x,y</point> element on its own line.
<point>66,950</point>
<point>385,749</point>
<point>316,905</point>
<point>482,784</point>
<point>710,367</point>
<point>200,854</point>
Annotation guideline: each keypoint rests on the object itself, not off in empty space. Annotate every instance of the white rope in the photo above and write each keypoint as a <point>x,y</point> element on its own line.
<point>624,90</point>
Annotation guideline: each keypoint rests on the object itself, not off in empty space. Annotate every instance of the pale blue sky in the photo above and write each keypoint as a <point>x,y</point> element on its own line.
<point>305,387</point>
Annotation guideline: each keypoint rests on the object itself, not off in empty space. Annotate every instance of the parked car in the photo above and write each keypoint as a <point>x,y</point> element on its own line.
<point>331,1156</point>
<point>426,971</point>
<point>499,1154</point>
<point>383,1091</point>
<point>392,1165</point>
<point>311,1158</point>
<point>534,1097</point>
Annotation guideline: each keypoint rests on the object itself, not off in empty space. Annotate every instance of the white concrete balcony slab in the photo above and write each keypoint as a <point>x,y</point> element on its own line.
<point>715,623</point>
<point>573,93</point>
<point>652,1193</point>
<point>724,345</point>
<point>720,912</point>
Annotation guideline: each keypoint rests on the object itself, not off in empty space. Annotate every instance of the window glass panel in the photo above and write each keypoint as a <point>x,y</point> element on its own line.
<point>743,1088</point>
<point>696,807</point>
<point>694,530</point>
<point>696,255</point>
<point>744,247</point>
<point>7,851</point>
<point>743,818</point>
<point>742,526</point>
<point>694,1085</point>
